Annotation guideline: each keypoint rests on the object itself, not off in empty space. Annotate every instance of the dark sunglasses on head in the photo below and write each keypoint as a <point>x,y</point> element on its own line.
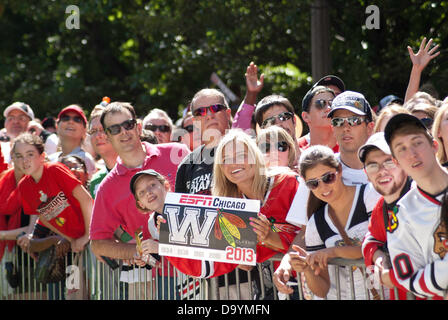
<point>161,128</point>
<point>200,112</point>
<point>188,128</point>
<point>282,146</point>
<point>427,122</point>
<point>284,116</point>
<point>116,128</point>
<point>322,103</point>
<point>66,118</point>
<point>352,121</point>
<point>327,178</point>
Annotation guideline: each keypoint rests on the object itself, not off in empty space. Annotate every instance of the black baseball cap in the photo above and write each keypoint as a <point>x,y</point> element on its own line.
<point>310,94</point>
<point>331,79</point>
<point>149,172</point>
<point>398,121</point>
<point>384,102</point>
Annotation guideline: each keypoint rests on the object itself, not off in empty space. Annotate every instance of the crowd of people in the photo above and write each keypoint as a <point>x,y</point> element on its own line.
<point>363,183</point>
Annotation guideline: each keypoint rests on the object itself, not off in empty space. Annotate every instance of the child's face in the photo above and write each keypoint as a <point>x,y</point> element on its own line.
<point>27,158</point>
<point>150,193</point>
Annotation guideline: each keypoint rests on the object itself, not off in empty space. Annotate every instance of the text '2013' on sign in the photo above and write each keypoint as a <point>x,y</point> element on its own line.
<point>209,228</point>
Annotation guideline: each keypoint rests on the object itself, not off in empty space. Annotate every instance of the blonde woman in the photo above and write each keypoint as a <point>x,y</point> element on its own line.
<point>240,172</point>
<point>440,133</point>
<point>278,147</point>
<point>387,113</point>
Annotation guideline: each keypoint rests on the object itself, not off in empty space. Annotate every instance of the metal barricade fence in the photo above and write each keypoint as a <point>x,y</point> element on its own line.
<point>92,279</point>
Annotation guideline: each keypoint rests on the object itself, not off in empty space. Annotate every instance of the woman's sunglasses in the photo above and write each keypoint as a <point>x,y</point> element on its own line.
<point>66,118</point>
<point>200,112</point>
<point>328,178</point>
<point>154,128</point>
<point>284,116</point>
<point>116,128</point>
<point>282,146</point>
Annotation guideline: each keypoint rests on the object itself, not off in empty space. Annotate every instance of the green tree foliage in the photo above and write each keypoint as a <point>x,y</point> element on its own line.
<point>159,53</point>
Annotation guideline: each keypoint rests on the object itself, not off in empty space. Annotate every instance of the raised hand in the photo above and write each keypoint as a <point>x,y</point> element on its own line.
<point>424,55</point>
<point>253,84</point>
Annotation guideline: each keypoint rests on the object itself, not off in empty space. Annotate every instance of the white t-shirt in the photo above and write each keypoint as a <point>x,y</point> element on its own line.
<point>350,177</point>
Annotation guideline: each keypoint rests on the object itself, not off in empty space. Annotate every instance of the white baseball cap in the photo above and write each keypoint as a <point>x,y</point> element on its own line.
<point>376,140</point>
<point>26,109</point>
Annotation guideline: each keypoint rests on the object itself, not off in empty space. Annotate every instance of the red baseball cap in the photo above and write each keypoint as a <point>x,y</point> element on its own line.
<point>74,108</point>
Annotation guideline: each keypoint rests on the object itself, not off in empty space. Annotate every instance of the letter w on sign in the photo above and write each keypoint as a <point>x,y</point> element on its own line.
<point>190,227</point>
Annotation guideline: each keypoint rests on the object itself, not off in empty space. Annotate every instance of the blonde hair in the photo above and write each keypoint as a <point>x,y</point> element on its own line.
<point>234,140</point>
<point>441,152</point>
<point>389,111</point>
<point>280,134</point>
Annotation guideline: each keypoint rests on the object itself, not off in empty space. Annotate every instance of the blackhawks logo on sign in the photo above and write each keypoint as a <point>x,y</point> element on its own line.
<point>227,224</point>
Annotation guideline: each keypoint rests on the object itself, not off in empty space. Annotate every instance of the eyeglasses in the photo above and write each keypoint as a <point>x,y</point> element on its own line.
<point>322,103</point>
<point>282,146</point>
<point>188,128</point>
<point>66,118</point>
<point>200,112</point>
<point>94,132</point>
<point>374,167</point>
<point>161,128</point>
<point>328,178</point>
<point>352,121</point>
<point>284,116</point>
<point>116,128</point>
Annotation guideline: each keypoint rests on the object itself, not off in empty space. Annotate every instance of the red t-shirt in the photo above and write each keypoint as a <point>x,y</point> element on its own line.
<point>304,143</point>
<point>52,199</point>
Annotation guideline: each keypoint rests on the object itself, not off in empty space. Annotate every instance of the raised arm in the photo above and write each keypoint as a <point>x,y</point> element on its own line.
<point>419,62</point>
<point>254,85</point>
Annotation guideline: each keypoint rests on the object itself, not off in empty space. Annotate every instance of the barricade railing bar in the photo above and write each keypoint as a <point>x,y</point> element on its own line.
<point>89,279</point>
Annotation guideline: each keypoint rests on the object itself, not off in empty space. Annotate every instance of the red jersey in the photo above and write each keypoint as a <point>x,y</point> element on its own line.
<point>52,199</point>
<point>277,202</point>
<point>9,205</point>
<point>376,237</point>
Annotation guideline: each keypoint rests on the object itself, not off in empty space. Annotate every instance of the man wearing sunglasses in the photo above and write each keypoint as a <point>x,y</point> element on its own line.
<point>352,120</point>
<point>315,107</point>
<point>211,117</point>
<point>160,123</point>
<point>392,182</point>
<point>114,205</point>
<point>71,130</point>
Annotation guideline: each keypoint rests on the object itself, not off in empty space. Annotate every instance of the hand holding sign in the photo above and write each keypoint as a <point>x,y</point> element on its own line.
<point>209,228</point>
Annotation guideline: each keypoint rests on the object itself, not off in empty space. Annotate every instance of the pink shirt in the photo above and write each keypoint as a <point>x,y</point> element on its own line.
<point>115,204</point>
